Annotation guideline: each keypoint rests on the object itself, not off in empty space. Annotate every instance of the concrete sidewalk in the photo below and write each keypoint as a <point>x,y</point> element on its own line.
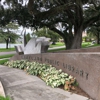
<point>56,48</point>
<point>20,86</point>
<point>7,53</point>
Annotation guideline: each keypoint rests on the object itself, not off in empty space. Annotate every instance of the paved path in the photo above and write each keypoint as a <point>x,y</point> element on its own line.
<point>20,86</point>
<point>7,53</point>
<point>56,48</point>
<point>14,52</point>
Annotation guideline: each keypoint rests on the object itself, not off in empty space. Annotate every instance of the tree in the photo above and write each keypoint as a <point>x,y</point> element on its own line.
<point>15,11</point>
<point>74,15</point>
<point>70,13</point>
<point>7,33</point>
<point>94,31</point>
<point>5,17</point>
<point>47,33</point>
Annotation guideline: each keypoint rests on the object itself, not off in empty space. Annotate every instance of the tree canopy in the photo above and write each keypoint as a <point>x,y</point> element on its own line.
<point>69,18</point>
<point>73,17</point>
<point>47,33</point>
<point>94,31</point>
<point>7,33</point>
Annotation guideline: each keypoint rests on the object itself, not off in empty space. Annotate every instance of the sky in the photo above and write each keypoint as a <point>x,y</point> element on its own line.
<point>21,31</point>
<point>24,2</point>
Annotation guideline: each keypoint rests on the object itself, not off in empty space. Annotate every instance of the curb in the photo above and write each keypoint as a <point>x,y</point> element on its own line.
<point>2,93</point>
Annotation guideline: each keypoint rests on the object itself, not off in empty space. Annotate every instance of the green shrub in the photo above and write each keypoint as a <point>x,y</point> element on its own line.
<point>22,64</point>
<point>48,73</point>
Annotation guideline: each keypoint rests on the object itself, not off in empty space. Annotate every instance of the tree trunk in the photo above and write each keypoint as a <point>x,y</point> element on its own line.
<point>68,40</point>
<point>7,42</point>
<point>25,40</point>
<point>68,37</point>
<point>68,43</point>
<point>77,41</point>
<point>98,38</point>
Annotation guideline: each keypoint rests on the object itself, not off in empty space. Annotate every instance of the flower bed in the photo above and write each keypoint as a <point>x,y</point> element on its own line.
<point>47,73</point>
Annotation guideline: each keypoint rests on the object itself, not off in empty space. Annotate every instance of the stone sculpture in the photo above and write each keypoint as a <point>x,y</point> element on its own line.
<point>32,47</point>
<point>36,45</point>
<point>19,49</point>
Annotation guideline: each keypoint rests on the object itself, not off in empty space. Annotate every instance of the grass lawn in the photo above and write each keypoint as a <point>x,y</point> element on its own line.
<point>88,44</point>
<point>57,44</point>
<point>58,49</point>
<point>84,45</point>
<point>6,50</point>
<point>4,98</point>
<point>2,62</point>
<point>6,56</point>
<point>94,45</point>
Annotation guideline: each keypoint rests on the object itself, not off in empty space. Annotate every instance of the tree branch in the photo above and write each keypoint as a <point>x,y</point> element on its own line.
<point>90,21</point>
<point>56,30</point>
<point>52,12</point>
